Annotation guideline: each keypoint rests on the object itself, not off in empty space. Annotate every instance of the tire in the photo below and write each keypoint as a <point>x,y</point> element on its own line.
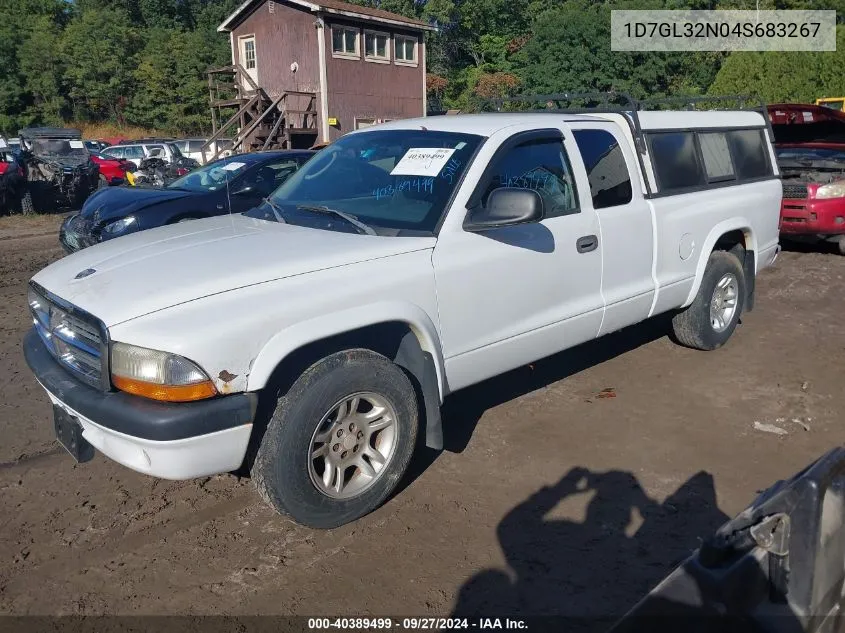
<point>27,203</point>
<point>841,244</point>
<point>290,480</point>
<point>694,327</point>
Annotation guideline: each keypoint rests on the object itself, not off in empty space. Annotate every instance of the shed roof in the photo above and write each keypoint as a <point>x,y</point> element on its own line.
<point>337,7</point>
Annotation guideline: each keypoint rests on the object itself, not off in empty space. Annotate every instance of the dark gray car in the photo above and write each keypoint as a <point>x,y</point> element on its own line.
<point>58,166</point>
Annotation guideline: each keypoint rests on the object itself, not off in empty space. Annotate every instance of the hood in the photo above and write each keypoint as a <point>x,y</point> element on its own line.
<point>156,269</point>
<point>117,202</point>
<point>72,161</point>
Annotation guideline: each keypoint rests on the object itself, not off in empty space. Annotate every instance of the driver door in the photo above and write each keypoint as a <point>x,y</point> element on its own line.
<point>512,295</point>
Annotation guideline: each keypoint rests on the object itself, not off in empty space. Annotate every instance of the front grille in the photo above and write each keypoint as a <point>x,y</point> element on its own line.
<point>71,335</point>
<point>794,192</point>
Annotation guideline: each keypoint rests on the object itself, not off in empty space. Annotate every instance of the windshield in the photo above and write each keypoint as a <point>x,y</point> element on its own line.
<point>211,177</point>
<point>58,147</point>
<point>835,105</point>
<point>800,154</point>
<point>390,179</point>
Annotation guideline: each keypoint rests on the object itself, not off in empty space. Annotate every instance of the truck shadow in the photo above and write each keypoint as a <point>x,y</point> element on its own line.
<point>592,572</point>
<point>462,411</point>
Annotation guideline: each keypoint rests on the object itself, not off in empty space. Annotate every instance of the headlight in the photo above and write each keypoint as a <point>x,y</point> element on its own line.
<point>120,226</point>
<point>158,375</point>
<point>833,190</point>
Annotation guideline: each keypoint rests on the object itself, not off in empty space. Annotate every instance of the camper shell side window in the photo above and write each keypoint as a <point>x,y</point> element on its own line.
<point>685,161</point>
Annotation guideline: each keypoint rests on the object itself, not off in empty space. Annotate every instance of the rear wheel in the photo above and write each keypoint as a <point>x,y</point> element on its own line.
<point>710,320</point>
<point>339,441</point>
<point>841,244</point>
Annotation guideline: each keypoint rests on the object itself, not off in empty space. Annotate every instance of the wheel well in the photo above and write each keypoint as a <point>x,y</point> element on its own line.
<point>382,338</point>
<point>394,340</point>
<point>734,242</point>
<point>738,242</point>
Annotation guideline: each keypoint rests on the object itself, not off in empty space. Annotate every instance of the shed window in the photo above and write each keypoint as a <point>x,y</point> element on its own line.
<point>406,49</point>
<point>375,46</point>
<point>717,156</point>
<point>249,54</point>
<point>676,160</point>
<point>749,154</point>
<point>344,41</point>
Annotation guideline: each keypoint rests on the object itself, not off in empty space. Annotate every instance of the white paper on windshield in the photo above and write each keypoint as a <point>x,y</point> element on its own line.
<point>422,161</point>
<point>232,166</point>
<point>77,145</point>
<point>808,116</point>
<point>3,143</point>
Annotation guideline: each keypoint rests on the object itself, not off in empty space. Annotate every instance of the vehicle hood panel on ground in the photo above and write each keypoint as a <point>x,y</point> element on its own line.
<point>118,202</point>
<point>150,271</point>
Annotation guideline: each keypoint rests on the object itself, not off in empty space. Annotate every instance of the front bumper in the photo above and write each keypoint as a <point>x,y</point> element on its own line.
<point>808,216</point>
<point>167,440</point>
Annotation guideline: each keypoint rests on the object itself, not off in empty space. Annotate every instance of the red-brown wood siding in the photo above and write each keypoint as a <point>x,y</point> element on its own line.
<point>363,89</point>
<point>285,36</point>
<point>355,88</point>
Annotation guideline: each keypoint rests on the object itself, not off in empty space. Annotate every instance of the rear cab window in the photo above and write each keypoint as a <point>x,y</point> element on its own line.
<point>607,171</point>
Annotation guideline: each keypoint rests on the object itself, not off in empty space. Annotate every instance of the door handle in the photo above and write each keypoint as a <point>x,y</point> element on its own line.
<point>587,243</point>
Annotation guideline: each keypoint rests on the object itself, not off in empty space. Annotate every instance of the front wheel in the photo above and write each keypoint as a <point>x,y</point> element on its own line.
<point>710,320</point>
<point>27,203</point>
<point>339,441</point>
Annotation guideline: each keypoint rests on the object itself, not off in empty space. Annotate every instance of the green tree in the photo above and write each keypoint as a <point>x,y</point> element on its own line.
<point>799,77</point>
<point>100,48</point>
<point>171,78</point>
<point>43,69</point>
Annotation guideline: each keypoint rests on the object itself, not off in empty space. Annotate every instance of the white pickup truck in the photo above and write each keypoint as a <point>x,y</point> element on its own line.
<point>311,340</point>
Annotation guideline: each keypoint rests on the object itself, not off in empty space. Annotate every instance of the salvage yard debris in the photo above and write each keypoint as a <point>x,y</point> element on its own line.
<point>778,430</point>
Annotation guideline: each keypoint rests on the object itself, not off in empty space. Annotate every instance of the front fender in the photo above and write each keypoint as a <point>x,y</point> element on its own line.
<point>726,226</point>
<point>292,338</point>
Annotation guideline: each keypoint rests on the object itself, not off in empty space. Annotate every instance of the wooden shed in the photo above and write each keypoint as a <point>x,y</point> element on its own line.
<point>324,68</point>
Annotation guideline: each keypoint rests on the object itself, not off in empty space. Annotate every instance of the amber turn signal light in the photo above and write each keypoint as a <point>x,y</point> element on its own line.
<point>166,393</point>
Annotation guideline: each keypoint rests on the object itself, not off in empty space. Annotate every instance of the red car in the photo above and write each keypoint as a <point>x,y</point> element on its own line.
<point>810,148</point>
<point>111,168</point>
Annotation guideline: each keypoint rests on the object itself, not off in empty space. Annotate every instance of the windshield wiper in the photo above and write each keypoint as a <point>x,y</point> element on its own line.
<point>276,210</point>
<point>365,228</point>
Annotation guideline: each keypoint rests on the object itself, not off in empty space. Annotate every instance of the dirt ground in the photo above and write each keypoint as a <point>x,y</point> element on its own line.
<point>496,523</point>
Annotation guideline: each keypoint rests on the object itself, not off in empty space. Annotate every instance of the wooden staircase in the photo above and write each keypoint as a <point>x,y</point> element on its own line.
<point>254,120</point>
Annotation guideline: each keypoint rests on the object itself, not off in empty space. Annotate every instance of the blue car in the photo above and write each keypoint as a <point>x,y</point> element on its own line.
<point>230,185</point>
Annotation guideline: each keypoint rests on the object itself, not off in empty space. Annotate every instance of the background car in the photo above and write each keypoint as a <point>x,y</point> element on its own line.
<point>192,148</point>
<point>810,148</point>
<point>165,150</point>
<point>59,169</point>
<point>95,146</point>
<point>229,185</point>
<point>12,178</point>
<point>111,168</point>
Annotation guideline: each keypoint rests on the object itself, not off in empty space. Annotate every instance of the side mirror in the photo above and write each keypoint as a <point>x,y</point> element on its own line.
<point>506,206</point>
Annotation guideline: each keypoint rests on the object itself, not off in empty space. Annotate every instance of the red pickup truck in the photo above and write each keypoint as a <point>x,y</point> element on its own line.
<point>810,147</point>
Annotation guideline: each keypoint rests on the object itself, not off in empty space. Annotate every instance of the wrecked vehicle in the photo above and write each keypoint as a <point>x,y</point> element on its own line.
<point>12,180</point>
<point>58,168</point>
<point>810,149</point>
